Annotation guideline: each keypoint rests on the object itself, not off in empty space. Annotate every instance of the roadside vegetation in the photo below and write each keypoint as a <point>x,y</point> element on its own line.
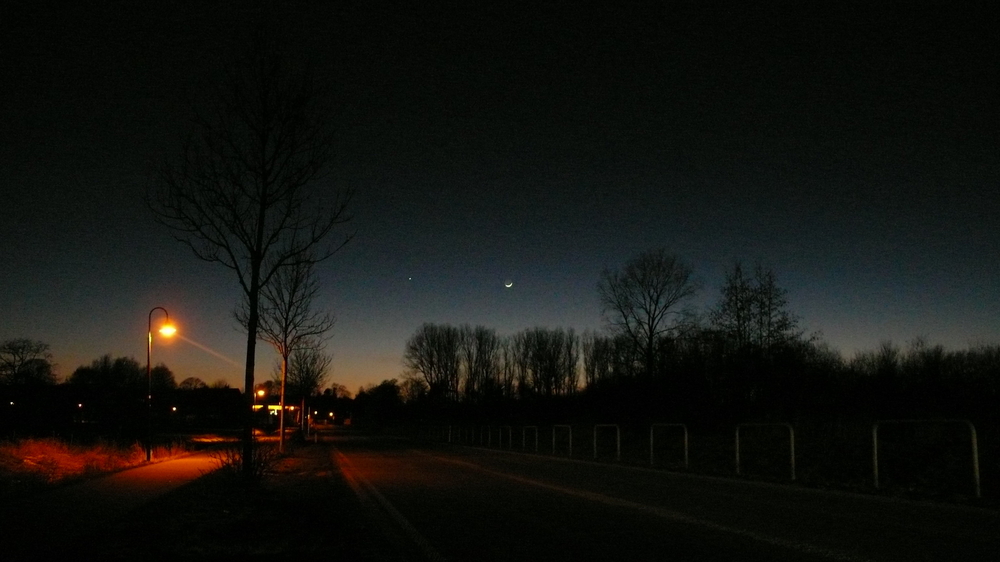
<point>29,466</point>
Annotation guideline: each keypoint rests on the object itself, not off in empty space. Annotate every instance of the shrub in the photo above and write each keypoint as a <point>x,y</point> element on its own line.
<point>262,462</point>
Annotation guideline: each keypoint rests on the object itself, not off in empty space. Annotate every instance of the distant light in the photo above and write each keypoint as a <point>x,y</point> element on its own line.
<point>79,405</point>
<point>173,409</point>
<point>331,414</point>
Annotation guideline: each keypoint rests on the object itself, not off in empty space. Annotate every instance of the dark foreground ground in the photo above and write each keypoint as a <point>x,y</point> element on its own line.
<point>358,497</point>
<point>303,511</point>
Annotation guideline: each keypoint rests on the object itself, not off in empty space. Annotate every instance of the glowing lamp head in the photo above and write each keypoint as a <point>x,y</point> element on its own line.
<point>168,330</point>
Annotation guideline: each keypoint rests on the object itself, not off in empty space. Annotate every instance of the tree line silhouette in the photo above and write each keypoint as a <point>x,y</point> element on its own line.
<point>742,359</point>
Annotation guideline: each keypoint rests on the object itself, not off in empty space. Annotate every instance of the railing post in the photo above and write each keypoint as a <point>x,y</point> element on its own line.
<point>791,448</point>
<point>875,454</point>
<point>652,445</point>
<point>972,436</point>
<point>570,429</point>
<point>618,440</point>
<point>737,450</point>
<point>791,443</point>
<point>975,459</point>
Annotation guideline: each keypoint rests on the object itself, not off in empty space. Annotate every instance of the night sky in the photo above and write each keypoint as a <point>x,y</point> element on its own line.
<point>855,150</point>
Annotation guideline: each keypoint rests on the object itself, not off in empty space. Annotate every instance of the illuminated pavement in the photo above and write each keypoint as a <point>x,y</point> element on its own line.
<point>65,516</point>
<point>455,503</point>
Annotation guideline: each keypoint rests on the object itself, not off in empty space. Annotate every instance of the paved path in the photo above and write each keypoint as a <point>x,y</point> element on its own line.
<point>57,519</point>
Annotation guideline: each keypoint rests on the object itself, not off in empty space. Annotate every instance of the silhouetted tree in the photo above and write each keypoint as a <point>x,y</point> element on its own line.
<point>162,378</point>
<point>287,320</point>
<point>546,361</point>
<point>754,311</point>
<point>642,301</point>
<point>413,388</point>
<point>338,390</point>
<point>191,383</point>
<point>434,352</point>
<point>241,192</point>
<point>116,390</point>
<point>379,403</point>
<point>112,374</point>
<point>26,362</point>
<point>480,355</point>
<point>308,370</point>
<point>598,357</point>
<point>733,316</point>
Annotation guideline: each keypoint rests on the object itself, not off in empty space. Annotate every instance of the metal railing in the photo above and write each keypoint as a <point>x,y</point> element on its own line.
<point>652,446</point>
<point>618,439</point>
<point>791,442</point>
<point>972,435</point>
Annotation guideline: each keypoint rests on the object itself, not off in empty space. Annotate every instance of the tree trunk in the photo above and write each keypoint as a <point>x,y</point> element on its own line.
<point>248,374</point>
<point>281,407</point>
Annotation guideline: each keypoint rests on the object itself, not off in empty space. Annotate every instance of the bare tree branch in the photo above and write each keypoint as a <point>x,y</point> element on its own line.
<point>642,301</point>
<point>245,190</point>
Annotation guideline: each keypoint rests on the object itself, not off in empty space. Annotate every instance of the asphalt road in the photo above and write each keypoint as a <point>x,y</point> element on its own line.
<point>458,503</point>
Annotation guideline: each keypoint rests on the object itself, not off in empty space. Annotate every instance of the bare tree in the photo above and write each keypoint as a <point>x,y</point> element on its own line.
<point>598,354</point>
<point>546,361</point>
<point>733,315</point>
<point>434,352</point>
<point>191,383</point>
<point>241,192</point>
<point>287,320</point>
<point>480,353</point>
<point>752,311</point>
<point>307,373</point>
<point>775,325</point>
<point>642,301</point>
<point>308,370</point>
<point>25,361</point>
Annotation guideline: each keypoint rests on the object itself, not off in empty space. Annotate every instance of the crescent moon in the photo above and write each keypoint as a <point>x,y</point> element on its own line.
<point>508,284</point>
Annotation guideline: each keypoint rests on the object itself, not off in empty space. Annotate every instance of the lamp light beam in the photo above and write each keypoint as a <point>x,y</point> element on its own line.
<point>209,351</point>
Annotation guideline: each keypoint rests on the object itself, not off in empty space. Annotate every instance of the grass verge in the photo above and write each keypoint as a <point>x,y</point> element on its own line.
<point>30,466</point>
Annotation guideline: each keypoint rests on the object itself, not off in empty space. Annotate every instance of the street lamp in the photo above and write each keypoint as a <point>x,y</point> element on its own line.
<point>167,330</point>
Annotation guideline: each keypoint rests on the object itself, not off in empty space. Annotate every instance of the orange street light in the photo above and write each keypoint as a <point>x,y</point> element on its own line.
<point>168,330</point>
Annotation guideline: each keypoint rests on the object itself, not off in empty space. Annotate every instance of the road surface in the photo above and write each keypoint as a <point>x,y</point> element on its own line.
<point>456,503</point>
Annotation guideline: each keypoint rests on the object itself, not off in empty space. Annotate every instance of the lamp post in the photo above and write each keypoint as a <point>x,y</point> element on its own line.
<point>167,330</point>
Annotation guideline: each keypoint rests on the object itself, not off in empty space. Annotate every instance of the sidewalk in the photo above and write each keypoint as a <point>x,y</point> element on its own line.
<point>56,521</point>
<point>305,510</point>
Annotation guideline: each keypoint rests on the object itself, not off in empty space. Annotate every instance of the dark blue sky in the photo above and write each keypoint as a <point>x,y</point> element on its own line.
<point>855,150</point>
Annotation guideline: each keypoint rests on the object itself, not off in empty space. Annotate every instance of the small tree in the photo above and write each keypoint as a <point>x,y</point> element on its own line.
<point>308,371</point>
<point>642,301</point>
<point>241,192</point>
<point>288,321</point>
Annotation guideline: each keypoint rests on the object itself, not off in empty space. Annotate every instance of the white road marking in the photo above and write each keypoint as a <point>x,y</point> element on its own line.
<point>665,513</point>
<point>366,492</point>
